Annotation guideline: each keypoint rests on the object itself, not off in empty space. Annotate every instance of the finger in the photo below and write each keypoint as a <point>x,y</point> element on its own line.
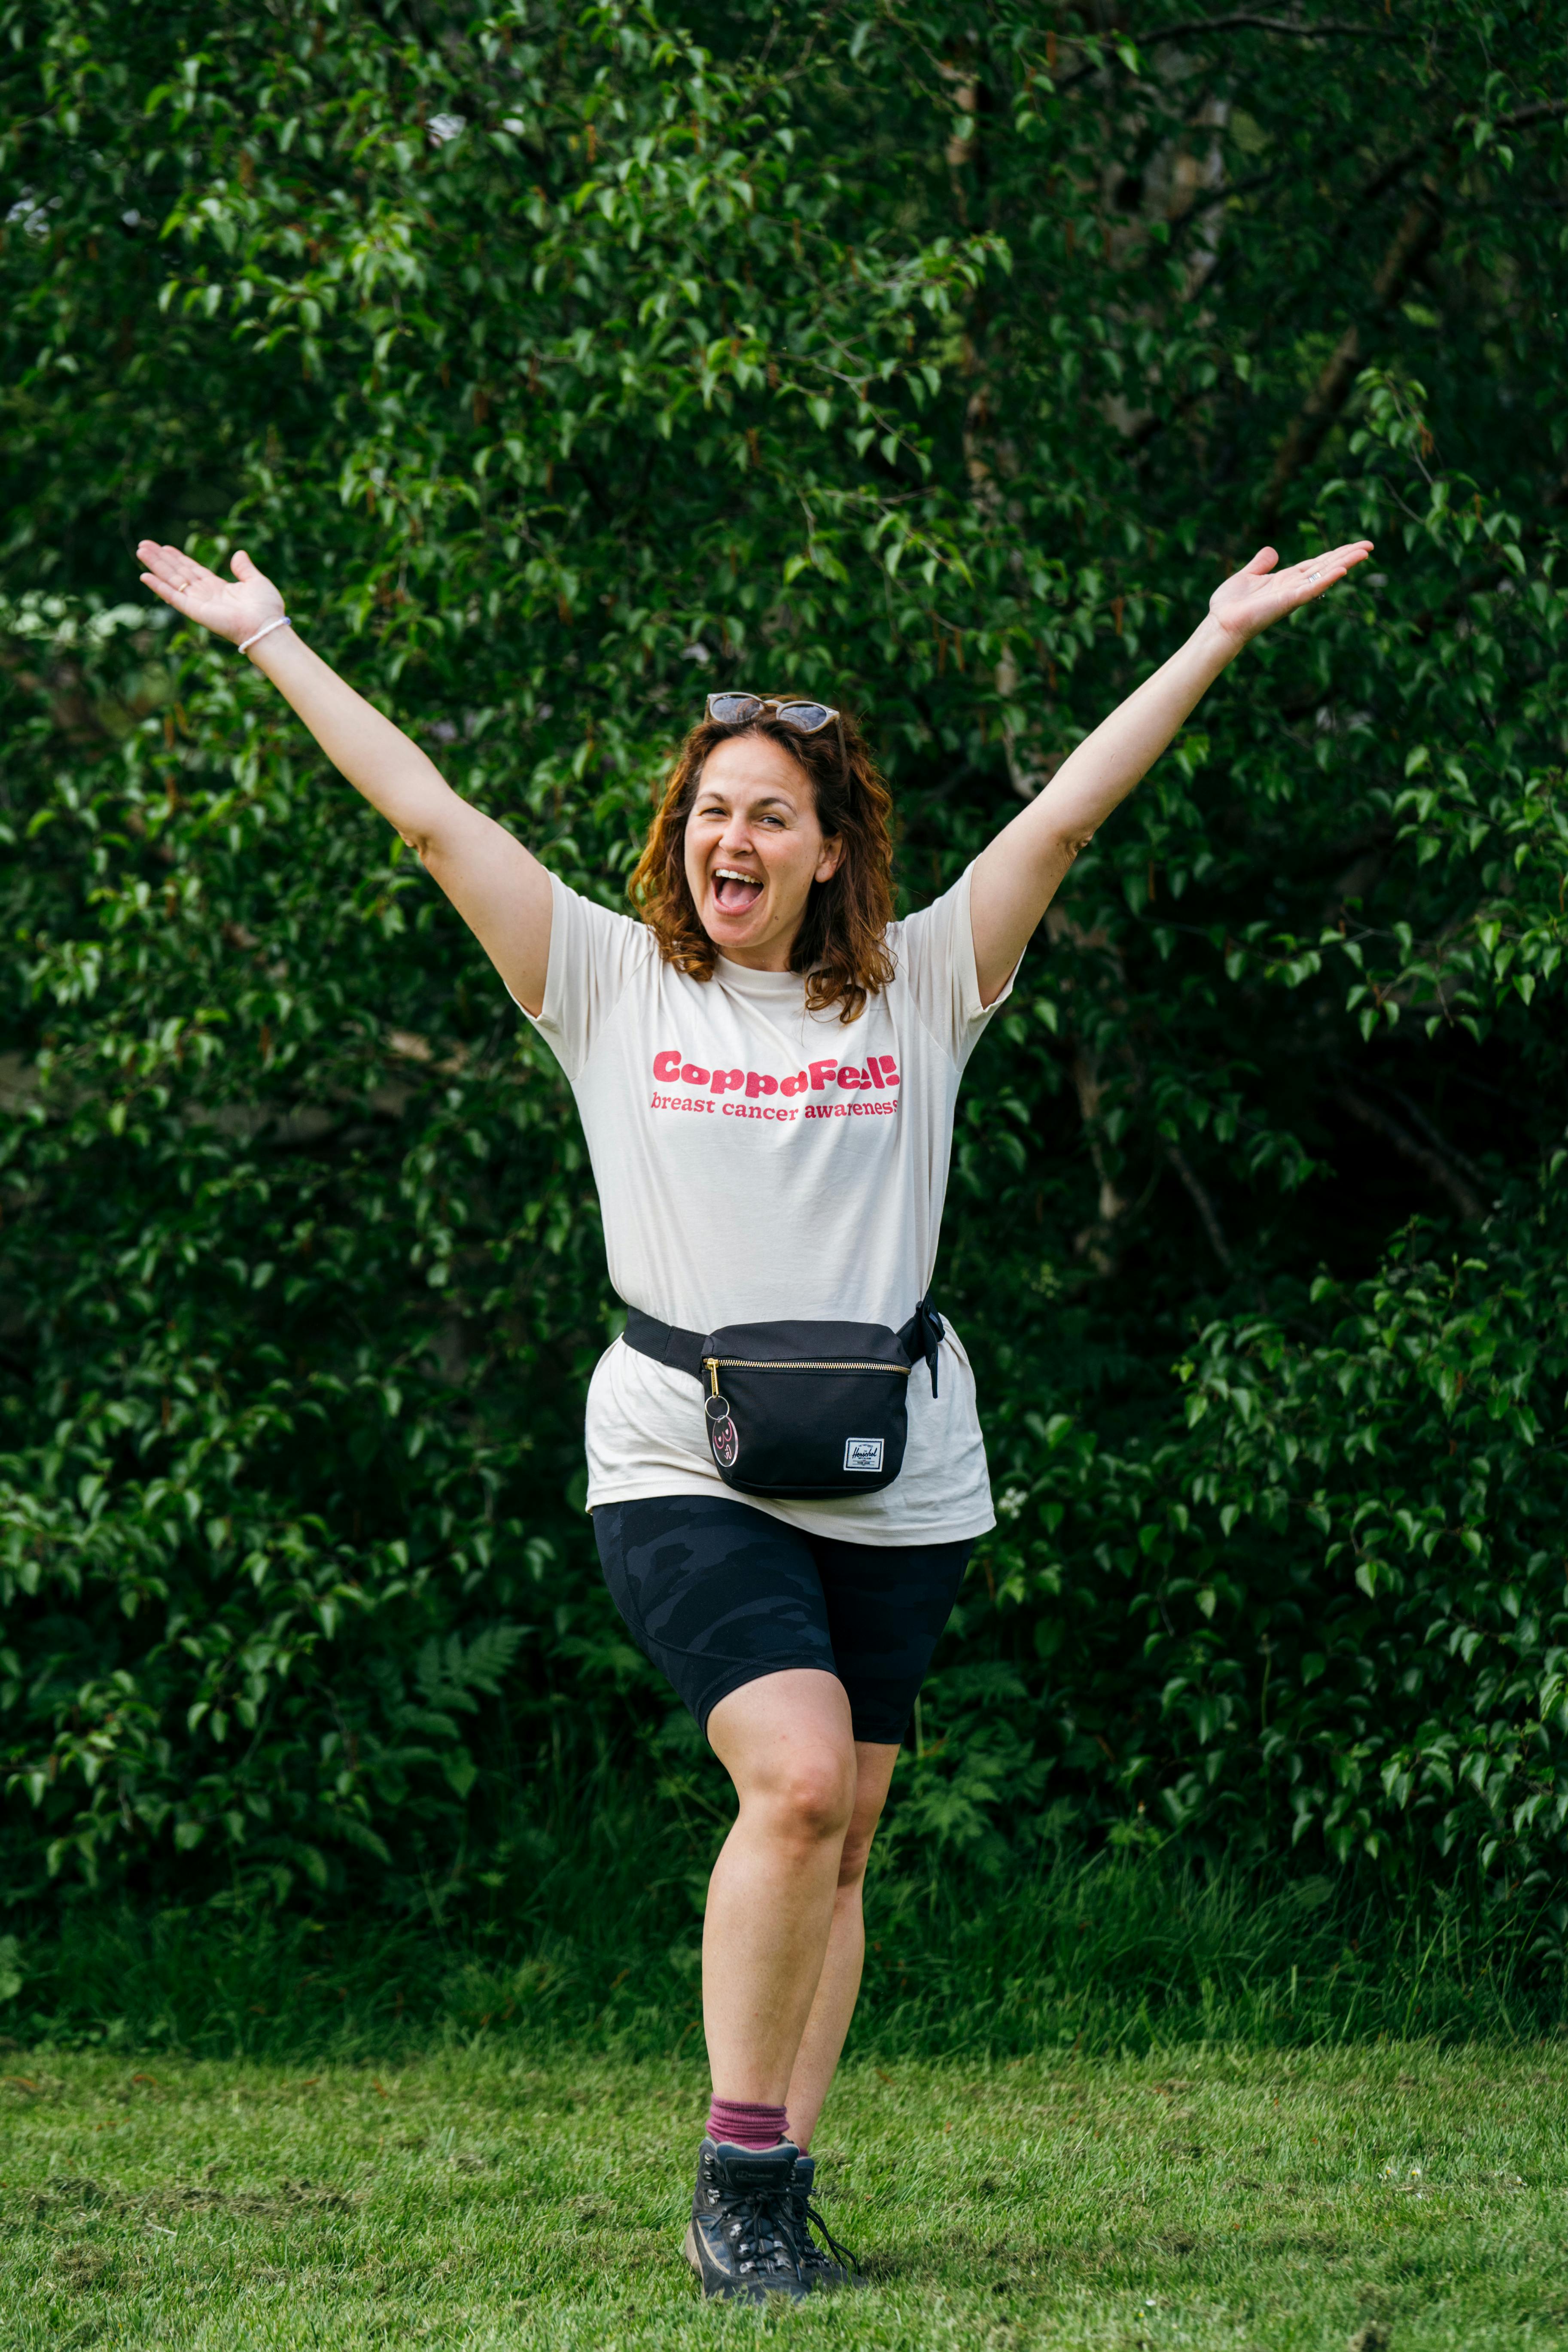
<point>241,565</point>
<point>184,571</point>
<point>186,596</point>
<point>170,595</point>
<point>157,559</point>
<point>1319,572</point>
<point>172,565</point>
<point>1354,551</point>
<point>1264,561</point>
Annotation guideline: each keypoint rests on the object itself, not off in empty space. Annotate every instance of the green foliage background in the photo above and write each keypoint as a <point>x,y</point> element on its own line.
<point>563,364</point>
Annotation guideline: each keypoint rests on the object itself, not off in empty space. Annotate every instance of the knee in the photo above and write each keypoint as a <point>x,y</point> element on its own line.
<point>811,1801</point>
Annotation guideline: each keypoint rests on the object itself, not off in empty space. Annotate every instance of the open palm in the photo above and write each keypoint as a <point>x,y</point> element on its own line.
<point>1258,595</point>
<point>234,609</point>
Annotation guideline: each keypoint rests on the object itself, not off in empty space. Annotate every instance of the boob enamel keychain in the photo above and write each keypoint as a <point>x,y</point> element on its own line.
<point>722,1434</point>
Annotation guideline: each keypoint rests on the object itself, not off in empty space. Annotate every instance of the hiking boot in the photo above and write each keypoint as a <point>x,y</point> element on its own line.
<point>837,2266</point>
<point>741,2240</point>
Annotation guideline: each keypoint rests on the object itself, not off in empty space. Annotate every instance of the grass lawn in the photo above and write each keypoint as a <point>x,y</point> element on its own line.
<point>1367,2196</point>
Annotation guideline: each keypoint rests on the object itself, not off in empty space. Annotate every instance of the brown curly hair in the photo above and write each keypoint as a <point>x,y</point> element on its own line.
<point>840,946</point>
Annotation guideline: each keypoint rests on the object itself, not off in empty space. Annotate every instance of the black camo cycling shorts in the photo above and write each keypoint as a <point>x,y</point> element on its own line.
<point>717,1594</point>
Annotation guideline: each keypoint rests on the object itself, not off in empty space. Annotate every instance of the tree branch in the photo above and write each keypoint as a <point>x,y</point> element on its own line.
<point>1243,24</point>
<point>1198,1194</point>
<point>1431,1164</point>
<point>1273,24</point>
<point>1392,172</point>
<point>1413,240</point>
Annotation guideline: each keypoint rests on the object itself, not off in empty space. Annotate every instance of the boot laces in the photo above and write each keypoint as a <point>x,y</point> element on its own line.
<point>757,2222</point>
<point>810,2217</point>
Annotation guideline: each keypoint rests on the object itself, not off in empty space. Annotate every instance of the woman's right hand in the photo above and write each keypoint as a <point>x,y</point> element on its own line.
<point>234,610</point>
<point>502,892</point>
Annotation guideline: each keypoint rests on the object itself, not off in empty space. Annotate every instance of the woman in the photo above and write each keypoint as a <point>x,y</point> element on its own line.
<point>766,1067</point>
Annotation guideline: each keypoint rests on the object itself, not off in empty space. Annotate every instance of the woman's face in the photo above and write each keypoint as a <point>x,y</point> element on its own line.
<point>753,848</point>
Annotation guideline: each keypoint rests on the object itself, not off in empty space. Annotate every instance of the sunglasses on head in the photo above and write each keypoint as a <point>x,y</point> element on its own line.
<point>739,710</point>
<point>806,718</point>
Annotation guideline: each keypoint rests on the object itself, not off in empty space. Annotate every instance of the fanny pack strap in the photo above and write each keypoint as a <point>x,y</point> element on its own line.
<point>682,1351</point>
<point>664,1342</point>
<point>922,1335</point>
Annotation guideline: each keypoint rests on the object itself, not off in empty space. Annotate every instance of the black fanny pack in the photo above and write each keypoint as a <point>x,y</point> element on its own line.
<point>801,1410</point>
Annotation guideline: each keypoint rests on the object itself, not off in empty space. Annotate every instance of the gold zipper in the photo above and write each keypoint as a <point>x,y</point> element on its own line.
<point>797,1364</point>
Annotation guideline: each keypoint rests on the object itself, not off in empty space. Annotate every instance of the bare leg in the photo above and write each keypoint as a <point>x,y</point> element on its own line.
<point>840,1983</point>
<point>785,1742</point>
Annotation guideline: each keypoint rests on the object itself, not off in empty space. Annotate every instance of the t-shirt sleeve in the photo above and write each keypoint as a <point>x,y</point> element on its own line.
<point>936,953</point>
<point>593,955</point>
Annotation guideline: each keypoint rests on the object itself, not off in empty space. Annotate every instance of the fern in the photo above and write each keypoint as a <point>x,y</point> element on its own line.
<point>448,1676</point>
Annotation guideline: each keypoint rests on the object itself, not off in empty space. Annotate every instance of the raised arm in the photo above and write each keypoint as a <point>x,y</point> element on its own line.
<point>1019,873</point>
<point>500,891</point>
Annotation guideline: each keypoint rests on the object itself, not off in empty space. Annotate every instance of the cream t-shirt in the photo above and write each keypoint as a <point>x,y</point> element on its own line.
<point>757,1162</point>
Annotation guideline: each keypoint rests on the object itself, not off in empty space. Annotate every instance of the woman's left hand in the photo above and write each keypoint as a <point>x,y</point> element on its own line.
<point>1254,597</point>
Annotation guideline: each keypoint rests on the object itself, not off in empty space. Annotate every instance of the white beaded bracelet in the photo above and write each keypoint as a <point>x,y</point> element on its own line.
<point>282,621</point>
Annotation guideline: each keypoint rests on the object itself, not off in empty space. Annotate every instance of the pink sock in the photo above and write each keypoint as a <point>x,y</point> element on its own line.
<point>746,2127</point>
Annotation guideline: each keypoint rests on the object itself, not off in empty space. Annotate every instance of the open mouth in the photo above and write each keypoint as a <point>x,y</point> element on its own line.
<point>733,891</point>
